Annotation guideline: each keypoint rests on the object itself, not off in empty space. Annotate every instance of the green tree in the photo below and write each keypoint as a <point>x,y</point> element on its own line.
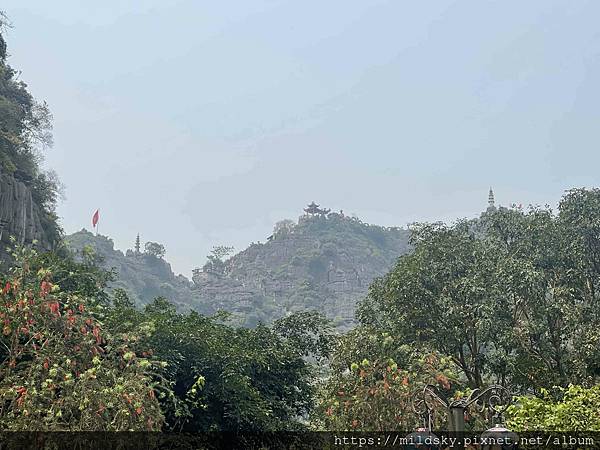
<point>440,296</point>
<point>216,259</point>
<point>225,378</point>
<point>579,216</point>
<point>570,409</point>
<point>511,297</point>
<point>155,249</point>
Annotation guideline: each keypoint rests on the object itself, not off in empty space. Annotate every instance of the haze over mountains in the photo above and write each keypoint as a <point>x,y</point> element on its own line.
<point>325,261</point>
<point>232,118</point>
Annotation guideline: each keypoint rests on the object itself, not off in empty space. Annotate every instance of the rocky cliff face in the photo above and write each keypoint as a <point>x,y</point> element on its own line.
<point>20,216</point>
<point>323,262</point>
<point>28,194</point>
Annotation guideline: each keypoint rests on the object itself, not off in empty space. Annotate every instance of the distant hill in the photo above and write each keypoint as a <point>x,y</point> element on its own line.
<point>142,275</point>
<point>325,261</point>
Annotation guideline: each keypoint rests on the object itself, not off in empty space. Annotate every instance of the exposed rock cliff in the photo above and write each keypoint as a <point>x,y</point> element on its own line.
<point>325,262</point>
<point>28,194</point>
<point>21,217</point>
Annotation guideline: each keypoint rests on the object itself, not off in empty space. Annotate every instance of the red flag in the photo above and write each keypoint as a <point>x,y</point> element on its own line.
<point>95,218</point>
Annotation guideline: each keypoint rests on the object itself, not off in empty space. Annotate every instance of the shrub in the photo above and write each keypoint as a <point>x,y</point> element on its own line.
<point>59,368</point>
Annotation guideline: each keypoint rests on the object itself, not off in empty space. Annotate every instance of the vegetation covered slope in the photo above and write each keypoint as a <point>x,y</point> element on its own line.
<point>143,275</point>
<point>28,194</point>
<point>323,262</point>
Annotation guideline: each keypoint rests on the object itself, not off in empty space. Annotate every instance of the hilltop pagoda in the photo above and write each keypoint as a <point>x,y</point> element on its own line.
<point>491,201</point>
<point>314,210</point>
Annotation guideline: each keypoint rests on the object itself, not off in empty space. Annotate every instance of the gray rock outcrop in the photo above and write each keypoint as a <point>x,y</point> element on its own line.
<point>20,216</point>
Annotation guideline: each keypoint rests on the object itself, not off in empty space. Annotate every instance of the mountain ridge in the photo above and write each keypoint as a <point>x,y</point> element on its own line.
<point>324,261</point>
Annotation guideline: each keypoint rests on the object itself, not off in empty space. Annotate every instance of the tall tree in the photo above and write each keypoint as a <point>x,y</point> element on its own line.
<point>439,295</point>
<point>511,296</point>
<point>216,259</point>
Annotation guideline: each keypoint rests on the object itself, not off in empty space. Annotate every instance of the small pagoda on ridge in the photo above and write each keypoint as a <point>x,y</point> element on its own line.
<point>314,210</point>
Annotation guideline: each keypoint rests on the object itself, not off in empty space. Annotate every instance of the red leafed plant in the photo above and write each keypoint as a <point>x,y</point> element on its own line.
<point>377,393</point>
<point>59,369</point>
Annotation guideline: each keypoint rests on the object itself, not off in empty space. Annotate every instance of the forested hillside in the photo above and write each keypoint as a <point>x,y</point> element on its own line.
<point>143,275</point>
<point>28,194</point>
<point>323,262</point>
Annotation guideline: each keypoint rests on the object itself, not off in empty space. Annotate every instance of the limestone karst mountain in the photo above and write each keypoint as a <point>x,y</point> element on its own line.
<point>143,276</point>
<point>22,217</point>
<point>28,192</point>
<point>325,261</point>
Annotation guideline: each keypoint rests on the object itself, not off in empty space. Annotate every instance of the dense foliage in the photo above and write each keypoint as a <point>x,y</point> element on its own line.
<point>25,129</point>
<point>224,378</point>
<point>574,408</point>
<point>374,380</point>
<point>60,367</point>
<point>511,297</point>
<point>74,359</point>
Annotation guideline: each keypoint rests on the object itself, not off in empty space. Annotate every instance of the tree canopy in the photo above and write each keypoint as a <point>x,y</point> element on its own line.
<point>155,249</point>
<point>511,297</point>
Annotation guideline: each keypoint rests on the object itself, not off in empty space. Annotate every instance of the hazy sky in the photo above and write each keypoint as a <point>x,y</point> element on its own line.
<point>200,123</point>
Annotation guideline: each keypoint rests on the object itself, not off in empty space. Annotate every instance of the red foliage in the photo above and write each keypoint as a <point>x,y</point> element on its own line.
<point>45,288</point>
<point>54,308</point>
